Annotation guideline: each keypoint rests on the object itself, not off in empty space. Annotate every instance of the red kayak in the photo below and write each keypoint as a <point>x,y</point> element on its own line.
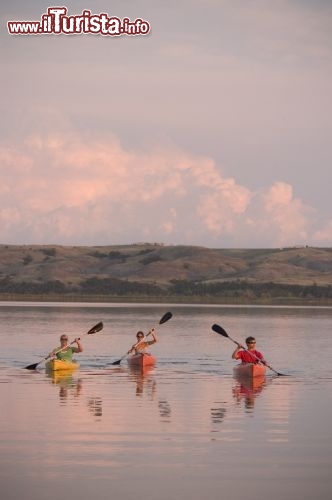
<point>141,360</point>
<point>249,370</point>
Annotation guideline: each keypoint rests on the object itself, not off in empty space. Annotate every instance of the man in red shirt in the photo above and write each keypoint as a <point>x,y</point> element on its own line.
<point>249,355</point>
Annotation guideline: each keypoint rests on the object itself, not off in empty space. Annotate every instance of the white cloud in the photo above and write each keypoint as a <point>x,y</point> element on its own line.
<point>77,190</point>
<point>288,216</point>
<point>324,235</point>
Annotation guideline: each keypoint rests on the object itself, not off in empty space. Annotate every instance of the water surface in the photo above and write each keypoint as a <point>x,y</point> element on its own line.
<point>185,429</point>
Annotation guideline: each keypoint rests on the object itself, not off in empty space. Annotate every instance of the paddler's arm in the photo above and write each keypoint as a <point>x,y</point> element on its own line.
<point>79,347</point>
<point>154,337</point>
<point>235,353</point>
<point>132,349</point>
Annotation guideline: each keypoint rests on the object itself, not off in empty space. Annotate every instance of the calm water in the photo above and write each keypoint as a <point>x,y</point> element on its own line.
<point>186,429</point>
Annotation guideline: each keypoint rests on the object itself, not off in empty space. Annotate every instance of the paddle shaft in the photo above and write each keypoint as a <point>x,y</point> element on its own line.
<point>97,328</point>
<point>52,354</point>
<point>165,318</point>
<point>140,341</point>
<point>221,331</point>
<point>133,347</point>
<point>256,357</point>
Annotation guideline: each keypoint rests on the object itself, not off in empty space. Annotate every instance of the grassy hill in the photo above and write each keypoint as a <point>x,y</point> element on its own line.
<point>158,272</point>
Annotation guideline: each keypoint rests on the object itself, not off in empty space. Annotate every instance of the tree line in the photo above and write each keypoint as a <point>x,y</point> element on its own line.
<point>113,287</point>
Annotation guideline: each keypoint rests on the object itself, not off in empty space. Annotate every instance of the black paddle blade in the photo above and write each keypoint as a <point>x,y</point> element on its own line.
<point>219,329</point>
<point>117,362</point>
<point>97,328</point>
<point>31,367</point>
<point>165,318</point>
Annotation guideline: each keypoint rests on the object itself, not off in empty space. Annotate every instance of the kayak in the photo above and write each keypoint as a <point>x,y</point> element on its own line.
<point>63,377</point>
<point>60,365</point>
<point>249,370</point>
<point>141,360</point>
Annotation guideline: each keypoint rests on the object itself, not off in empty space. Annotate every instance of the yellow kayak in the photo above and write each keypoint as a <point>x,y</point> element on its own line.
<point>60,365</point>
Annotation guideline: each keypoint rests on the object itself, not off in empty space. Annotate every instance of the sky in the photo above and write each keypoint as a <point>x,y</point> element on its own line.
<point>214,129</point>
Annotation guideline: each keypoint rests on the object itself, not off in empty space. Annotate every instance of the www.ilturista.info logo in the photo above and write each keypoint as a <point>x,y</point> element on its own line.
<point>56,22</point>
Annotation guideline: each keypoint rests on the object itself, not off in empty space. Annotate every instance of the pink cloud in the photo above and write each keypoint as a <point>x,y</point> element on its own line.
<point>287,214</point>
<point>75,190</point>
<point>324,235</point>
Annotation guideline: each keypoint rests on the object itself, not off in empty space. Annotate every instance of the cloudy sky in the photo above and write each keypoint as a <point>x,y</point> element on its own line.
<point>214,129</point>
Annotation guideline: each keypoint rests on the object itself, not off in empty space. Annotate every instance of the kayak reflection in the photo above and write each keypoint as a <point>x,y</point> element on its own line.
<point>145,382</point>
<point>146,387</point>
<point>247,389</point>
<point>68,385</point>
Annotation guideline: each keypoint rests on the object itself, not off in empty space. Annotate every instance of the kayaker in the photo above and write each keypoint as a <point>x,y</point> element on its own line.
<point>65,351</point>
<point>142,344</point>
<point>249,354</point>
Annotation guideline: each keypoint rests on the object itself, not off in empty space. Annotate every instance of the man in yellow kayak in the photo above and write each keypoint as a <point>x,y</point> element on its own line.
<point>65,351</point>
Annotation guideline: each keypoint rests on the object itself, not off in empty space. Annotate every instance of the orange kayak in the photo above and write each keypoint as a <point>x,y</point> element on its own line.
<point>141,360</point>
<point>249,370</point>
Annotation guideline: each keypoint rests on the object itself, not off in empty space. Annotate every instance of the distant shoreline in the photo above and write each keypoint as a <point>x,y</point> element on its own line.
<point>281,301</point>
<point>155,273</point>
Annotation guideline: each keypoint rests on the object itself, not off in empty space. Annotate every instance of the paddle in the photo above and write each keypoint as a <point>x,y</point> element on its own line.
<point>219,329</point>
<point>97,328</point>
<point>165,318</point>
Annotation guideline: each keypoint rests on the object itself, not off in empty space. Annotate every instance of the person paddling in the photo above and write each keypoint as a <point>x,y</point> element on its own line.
<point>65,351</point>
<point>141,345</point>
<point>249,354</point>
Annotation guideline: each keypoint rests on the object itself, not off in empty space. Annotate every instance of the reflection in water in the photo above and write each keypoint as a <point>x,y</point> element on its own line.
<point>164,410</point>
<point>145,383</point>
<point>71,388</point>
<point>68,386</point>
<point>218,414</point>
<point>247,389</point>
<point>95,406</point>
